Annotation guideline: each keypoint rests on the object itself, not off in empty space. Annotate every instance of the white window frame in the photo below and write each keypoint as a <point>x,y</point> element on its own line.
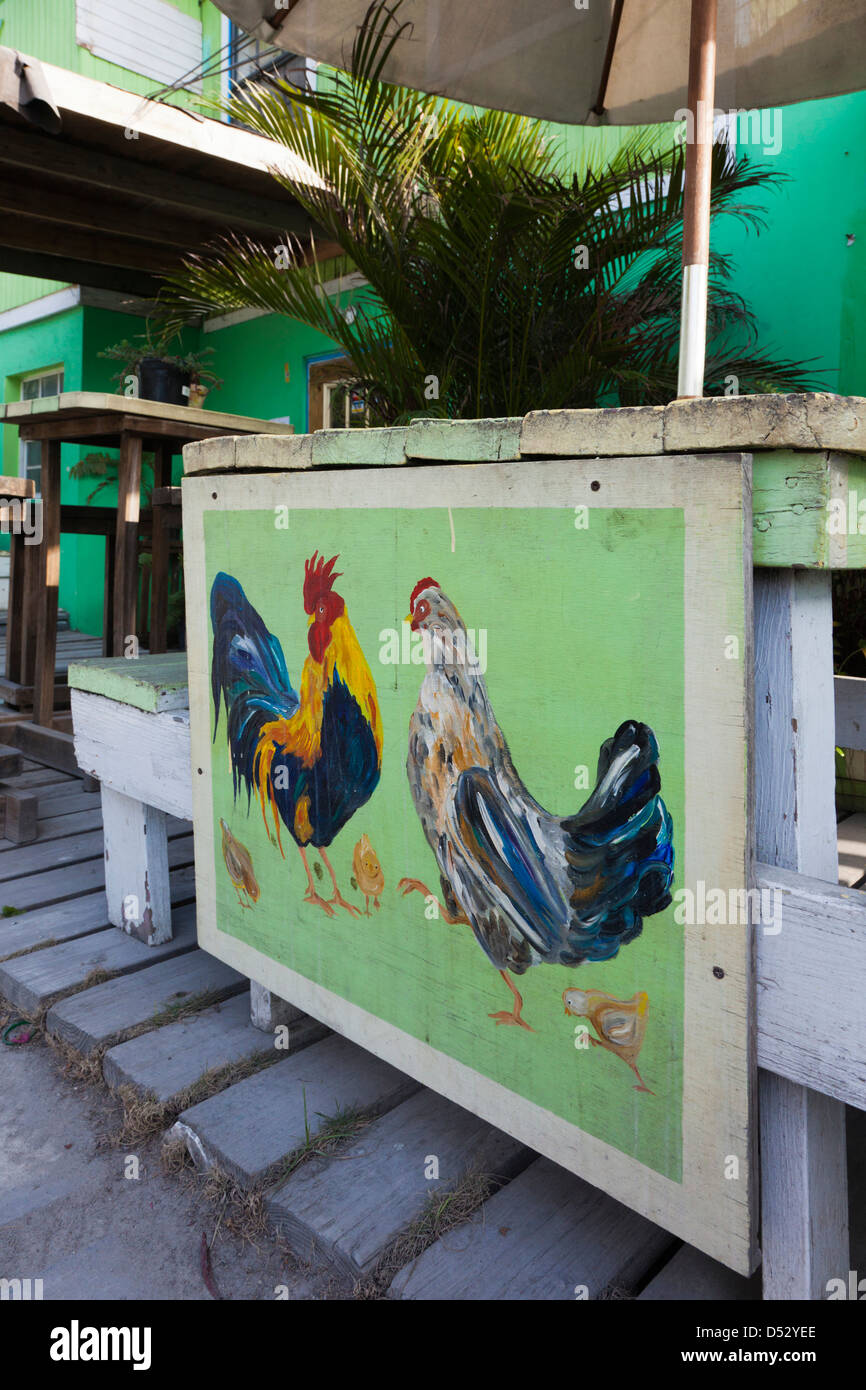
<point>43,374</point>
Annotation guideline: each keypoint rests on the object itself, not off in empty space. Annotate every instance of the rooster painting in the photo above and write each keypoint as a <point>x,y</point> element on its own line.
<point>535,888</point>
<point>312,758</point>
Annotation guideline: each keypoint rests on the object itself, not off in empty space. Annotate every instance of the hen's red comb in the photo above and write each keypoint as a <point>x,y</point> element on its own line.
<point>318,579</point>
<point>422,584</point>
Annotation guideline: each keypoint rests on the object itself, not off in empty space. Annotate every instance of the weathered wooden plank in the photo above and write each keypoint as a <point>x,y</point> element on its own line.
<point>169,1060</point>
<point>65,920</point>
<point>96,1016</point>
<point>53,885</point>
<point>350,1208</point>
<point>546,1236</point>
<point>76,403</point>
<point>30,981</point>
<point>268,1011</point>
<point>811,1000</point>
<point>60,826</point>
<point>145,756</point>
<point>804,1207</point>
<point>20,823</point>
<point>593,433</point>
<point>49,580</point>
<point>153,683</point>
<point>136,867</point>
<point>691,1276</point>
<point>251,1127</point>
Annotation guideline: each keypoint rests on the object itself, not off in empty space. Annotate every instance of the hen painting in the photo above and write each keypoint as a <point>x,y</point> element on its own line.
<point>535,888</point>
<point>311,757</point>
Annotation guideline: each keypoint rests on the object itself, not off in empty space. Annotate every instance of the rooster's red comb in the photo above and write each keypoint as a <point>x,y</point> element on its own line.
<point>318,579</point>
<point>422,584</point>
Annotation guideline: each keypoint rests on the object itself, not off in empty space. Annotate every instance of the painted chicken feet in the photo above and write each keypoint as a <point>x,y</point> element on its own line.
<point>414,885</point>
<point>512,1015</point>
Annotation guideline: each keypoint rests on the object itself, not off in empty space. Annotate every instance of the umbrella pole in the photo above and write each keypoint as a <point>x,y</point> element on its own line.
<point>696,212</point>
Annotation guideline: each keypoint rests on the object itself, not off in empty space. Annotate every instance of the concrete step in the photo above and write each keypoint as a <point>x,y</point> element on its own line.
<point>171,1059</point>
<point>30,981</point>
<point>254,1125</point>
<point>692,1276</point>
<point>67,920</point>
<point>350,1208</point>
<point>546,1236</point>
<point>97,1016</point>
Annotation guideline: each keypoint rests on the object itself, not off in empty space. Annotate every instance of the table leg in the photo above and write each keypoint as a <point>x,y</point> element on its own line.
<point>159,556</point>
<point>136,867</point>
<point>804,1192</point>
<point>48,570</point>
<point>126,541</point>
<point>15,618</point>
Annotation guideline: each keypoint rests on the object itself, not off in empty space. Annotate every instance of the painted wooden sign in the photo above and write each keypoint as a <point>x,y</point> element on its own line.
<point>470,778</point>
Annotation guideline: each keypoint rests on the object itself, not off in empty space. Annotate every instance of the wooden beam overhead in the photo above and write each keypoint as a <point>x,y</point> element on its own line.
<point>93,168</point>
<point>25,233</point>
<point>67,271</point>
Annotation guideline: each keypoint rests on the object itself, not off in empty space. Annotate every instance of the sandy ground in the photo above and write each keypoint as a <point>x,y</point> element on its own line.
<point>69,1215</point>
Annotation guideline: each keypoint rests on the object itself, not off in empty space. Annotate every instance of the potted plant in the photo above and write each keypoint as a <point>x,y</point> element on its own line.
<point>149,370</point>
<point>201,378</point>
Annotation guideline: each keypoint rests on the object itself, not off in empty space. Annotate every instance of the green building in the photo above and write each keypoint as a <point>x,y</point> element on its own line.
<point>804,276</point>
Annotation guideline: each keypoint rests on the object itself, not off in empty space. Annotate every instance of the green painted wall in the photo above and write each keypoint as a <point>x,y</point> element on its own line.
<point>806,284</point>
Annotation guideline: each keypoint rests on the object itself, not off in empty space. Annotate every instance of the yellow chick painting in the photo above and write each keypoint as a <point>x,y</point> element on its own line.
<point>368,873</point>
<point>619,1023</point>
<point>239,863</point>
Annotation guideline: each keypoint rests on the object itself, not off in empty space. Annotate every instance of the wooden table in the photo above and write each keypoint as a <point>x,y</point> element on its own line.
<point>109,421</point>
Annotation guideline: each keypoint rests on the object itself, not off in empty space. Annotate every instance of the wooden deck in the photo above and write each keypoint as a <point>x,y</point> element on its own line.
<point>158,1018</point>
<point>71,646</point>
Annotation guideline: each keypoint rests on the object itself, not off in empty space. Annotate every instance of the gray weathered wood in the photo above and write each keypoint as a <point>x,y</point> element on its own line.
<point>96,1016</point>
<point>350,1208</point>
<point>268,1011</point>
<point>691,1276</point>
<point>10,762</point>
<point>546,1236</point>
<point>136,867</point>
<point>251,1127</point>
<point>795,828</point>
<point>170,1059</point>
<point>30,981</point>
<point>21,813</point>
<point>811,999</point>
<point>38,890</point>
<point>143,755</point>
<point>63,921</point>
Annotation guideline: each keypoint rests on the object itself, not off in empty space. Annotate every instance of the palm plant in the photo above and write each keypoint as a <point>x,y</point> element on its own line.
<point>499,280</point>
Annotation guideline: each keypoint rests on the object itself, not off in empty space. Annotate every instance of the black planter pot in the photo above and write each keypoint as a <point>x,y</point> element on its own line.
<point>162,381</point>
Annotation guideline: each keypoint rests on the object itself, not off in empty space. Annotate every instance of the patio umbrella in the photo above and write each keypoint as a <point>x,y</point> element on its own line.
<point>620,62</point>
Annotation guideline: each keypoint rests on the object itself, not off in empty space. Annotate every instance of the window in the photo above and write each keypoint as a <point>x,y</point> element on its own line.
<point>343,408</point>
<point>250,60</point>
<point>30,451</point>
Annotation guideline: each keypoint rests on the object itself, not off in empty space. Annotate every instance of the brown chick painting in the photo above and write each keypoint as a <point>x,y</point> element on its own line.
<point>619,1023</point>
<point>239,863</point>
<point>368,873</point>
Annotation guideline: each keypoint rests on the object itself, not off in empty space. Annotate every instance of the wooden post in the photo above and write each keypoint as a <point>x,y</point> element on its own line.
<point>268,1011</point>
<point>159,552</point>
<point>126,540</point>
<point>696,210</point>
<point>804,1193</point>
<point>48,570</point>
<point>15,619</point>
<point>136,867</point>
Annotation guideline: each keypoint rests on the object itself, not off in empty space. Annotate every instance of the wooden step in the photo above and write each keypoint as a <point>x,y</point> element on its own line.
<point>30,981</point>
<point>546,1236</point>
<point>54,885</point>
<point>64,921</point>
<point>97,1016</point>
<point>253,1126</point>
<point>351,1207</point>
<point>692,1276</point>
<point>167,1061</point>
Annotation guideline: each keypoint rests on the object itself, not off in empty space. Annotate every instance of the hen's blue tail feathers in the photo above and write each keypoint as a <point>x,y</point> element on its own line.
<point>620,854</point>
<point>248,674</point>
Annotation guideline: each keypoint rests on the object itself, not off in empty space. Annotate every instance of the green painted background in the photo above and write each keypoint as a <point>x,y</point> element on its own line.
<point>567,662</point>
